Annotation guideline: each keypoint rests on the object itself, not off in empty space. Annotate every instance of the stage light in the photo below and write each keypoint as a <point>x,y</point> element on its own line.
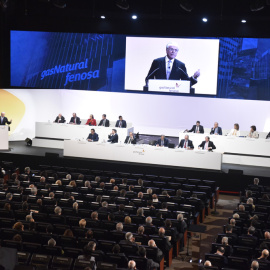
<point>257,5</point>
<point>243,21</point>
<point>102,17</point>
<point>59,3</point>
<point>186,5</point>
<point>204,20</point>
<point>134,17</point>
<point>123,4</point>
<point>28,141</point>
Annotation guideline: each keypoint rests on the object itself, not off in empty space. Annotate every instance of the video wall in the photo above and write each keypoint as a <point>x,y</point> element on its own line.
<point>234,68</point>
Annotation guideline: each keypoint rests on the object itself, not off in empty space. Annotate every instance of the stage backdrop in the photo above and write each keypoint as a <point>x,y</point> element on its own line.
<point>150,114</point>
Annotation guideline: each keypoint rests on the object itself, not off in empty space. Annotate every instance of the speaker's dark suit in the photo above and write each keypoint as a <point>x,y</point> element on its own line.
<point>133,141</point>
<point>124,124</point>
<point>62,120</point>
<point>189,144</point>
<point>107,123</point>
<point>78,120</point>
<point>93,137</point>
<point>113,138</point>
<point>4,121</point>
<point>210,144</point>
<point>201,129</point>
<point>166,142</point>
<point>219,131</point>
<point>178,71</point>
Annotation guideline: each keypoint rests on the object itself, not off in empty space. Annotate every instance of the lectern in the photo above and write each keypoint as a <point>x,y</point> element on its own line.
<point>171,86</point>
<point>4,138</point>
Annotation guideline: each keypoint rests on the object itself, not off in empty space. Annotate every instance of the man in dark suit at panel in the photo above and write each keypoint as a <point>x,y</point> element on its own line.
<point>113,137</point>
<point>4,120</point>
<point>75,120</point>
<point>186,143</point>
<point>162,141</point>
<point>169,68</point>
<point>196,128</point>
<point>121,123</point>
<point>130,139</point>
<point>60,119</point>
<point>216,129</point>
<point>104,121</point>
<point>207,144</point>
<point>93,136</point>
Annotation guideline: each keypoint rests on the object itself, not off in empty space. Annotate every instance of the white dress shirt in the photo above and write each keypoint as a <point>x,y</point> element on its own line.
<point>234,132</point>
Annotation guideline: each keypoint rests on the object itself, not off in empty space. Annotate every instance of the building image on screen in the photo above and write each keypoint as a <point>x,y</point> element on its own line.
<point>193,60</point>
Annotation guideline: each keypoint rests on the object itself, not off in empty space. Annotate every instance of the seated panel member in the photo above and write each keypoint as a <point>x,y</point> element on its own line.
<point>91,121</point>
<point>130,139</point>
<point>113,137</point>
<point>196,128</point>
<point>268,136</point>
<point>253,133</point>
<point>104,122</point>
<point>207,144</point>
<point>121,123</point>
<point>186,143</point>
<point>4,120</point>
<point>75,120</point>
<point>235,131</point>
<point>216,129</point>
<point>93,136</point>
<point>60,119</point>
<point>169,68</point>
<point>162,141</point>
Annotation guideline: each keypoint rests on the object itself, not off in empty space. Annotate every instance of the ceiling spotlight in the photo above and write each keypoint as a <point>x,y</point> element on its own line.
<point>123,4</point>
<point>257,5</point>
<point>134,17</point>
<point>59,3</point>
<point>243,21</point>
<point>102,17</point>
<point>204,20</point>
<point>186,5</point>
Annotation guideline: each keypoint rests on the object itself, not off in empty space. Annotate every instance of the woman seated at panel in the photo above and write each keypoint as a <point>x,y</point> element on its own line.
<point>235,131</point>
<point>91,121</point>
<point>253,133</point>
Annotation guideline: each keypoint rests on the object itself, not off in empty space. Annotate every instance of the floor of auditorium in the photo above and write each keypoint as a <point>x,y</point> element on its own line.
<point>225,206</point>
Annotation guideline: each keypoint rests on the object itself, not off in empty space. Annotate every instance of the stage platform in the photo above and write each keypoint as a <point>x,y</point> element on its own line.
<point>22,155</point>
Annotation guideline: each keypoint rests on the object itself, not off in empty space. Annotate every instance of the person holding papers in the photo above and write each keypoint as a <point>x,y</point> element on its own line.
<point>162,141</point>
<point>130,139</point>
<point>216,130</point>
<point>235,131</point>
<point>196,128</point>
<point>75,120</point>
<point>186,143</point>
<point>253,133</point>
<point>121,123</point>
<point>207,144</point>
<point>104,122</point>
<point>93,136</point>
<point>60,119</point>
<point>113,137</point>
<point>91,121</point>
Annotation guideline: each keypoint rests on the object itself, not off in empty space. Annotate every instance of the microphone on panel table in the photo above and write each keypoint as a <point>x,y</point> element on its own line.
<point>145,88</point>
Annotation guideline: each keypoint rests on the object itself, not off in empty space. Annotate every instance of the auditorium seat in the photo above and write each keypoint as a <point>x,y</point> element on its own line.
<point>216,260</point>
<point>54,251</point>
<point>23,257</point>
<point>61,263</point>
<point>238,263</point>
<point>118,259</point>
<point>81,264</point>
<point>41,260</point>
<point>72,252</point>
<point>242,251</point>
<point>31,247</point>
<point>12,244</point>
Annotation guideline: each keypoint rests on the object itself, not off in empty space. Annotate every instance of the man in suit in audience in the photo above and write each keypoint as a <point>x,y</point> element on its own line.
<point>161,234</point>
<point>75,120</point>
<point>104,121</point>
<point>221,251</point>
<point>152,243</point>
<point>93,136</point>
<point>4,120</point>
<point>113,137</point>
<point>163,142</point>
<point>104,208</point>
<point>216,130</point>
<point>207,144</point>
<point>130,139</point>
<point>196,128</point>
<point>121,123</point>
<point>230,234</point>
<point>130,240</point>
<point>264,255</point>
<point>60,119</point>
<point>186,143</point>
<point>150,263</point>
<point>266,243</point>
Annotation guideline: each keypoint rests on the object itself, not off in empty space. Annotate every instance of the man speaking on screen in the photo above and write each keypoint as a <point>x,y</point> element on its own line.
<point>169,68</point>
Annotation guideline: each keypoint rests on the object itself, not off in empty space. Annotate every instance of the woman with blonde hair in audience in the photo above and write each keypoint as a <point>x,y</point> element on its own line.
<point>58,182</point>
<point>250,201</point>
<point>68,233</point>
<point>18,226</point>
<point>127,220</point>
<point>72,183</point>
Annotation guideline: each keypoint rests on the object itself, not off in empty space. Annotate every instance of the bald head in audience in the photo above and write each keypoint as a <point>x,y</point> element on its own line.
<point>207,263</point>
<point>254,265</point>
<point>265,254</point>
<point>131,265</point>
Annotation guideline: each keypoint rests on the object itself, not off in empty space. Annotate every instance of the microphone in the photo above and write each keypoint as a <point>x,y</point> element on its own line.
<point>183,71</point>
<point>151,74</point>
